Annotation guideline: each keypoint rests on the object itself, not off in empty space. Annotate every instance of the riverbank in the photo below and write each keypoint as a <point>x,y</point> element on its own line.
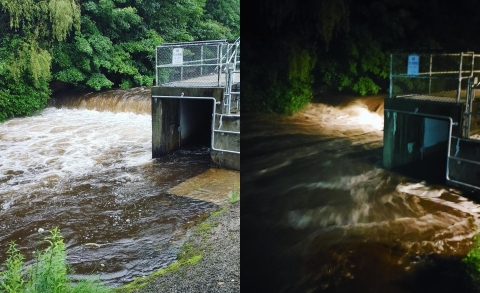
<point>209,261</point>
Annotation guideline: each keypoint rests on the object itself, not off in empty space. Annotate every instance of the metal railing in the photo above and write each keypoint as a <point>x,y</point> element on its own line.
<point>204,64</point>
<point>459,160</point>
<point>212,127</point>
<point>438,77</point>
<point>231,97</point>
<point>451,78</point>
<point>197,64</point>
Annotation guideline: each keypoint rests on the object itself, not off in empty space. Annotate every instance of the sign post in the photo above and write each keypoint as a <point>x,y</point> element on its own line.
<point>177,59</point>
<point>177,56</point>
<point>413,64</point>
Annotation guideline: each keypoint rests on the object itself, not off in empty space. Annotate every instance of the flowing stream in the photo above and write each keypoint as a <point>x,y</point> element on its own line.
<point>321,214</point>
<point>84,165</point>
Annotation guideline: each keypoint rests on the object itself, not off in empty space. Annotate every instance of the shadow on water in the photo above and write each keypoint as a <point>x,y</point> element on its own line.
<point>321,214</point>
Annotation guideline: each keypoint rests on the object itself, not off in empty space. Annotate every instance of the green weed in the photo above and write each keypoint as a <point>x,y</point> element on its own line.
<point>214,214</point>
<point>48,274</point>
<point>235,194</point>
<point>472,261</point>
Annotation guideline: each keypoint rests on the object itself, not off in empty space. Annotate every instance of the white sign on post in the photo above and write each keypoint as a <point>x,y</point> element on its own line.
<point>177,56</point>
<point>413,64</point>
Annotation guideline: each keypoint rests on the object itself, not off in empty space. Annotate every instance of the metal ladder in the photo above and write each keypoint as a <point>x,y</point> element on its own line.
<point>231,98</point>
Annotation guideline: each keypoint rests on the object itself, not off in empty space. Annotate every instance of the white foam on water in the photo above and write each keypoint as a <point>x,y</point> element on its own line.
<point>416,213</point>
<point>61,143</point>
<point>340,121</point>
<point>470,208</point>
<point>420,189</point>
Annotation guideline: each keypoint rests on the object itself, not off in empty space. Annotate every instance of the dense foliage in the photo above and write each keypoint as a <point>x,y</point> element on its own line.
<point>95,44</point>
<point>288,88</point>
<point>27,30</point>
<point>349,42</point>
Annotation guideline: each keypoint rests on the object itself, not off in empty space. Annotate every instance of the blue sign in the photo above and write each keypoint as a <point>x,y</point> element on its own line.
<point>413,64</point>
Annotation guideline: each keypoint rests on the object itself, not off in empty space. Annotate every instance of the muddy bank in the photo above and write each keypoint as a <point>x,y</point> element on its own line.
<point>218,240</point>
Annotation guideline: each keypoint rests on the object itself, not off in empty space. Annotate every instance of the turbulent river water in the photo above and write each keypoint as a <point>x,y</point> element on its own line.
<point>84,165</point>
<point>321,214</point>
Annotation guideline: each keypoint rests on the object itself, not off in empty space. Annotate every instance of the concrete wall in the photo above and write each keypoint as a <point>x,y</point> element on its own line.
<point>404,134</point>
<point>180,121</point>
<point>401,139</point>
<point>416,141</point>
<point>165,123</point>
<point>227,141</point>
<point>434,131</point>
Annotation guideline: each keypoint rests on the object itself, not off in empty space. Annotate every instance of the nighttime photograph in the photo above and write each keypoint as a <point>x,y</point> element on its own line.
<point>360,146</point>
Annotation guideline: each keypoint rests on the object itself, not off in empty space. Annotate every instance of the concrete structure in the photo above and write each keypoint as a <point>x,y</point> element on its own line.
<point>197,101</point>
<point>428,135</point>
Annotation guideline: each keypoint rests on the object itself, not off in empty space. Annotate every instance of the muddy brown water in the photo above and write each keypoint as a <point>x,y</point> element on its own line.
<point>321,214</point>
<point>84,165</point>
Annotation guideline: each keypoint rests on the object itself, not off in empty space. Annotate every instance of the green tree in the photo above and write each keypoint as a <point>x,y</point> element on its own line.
<point>358,59</point>
<point>282,54</point>
<point>25,61</point>
<point>227,14</point>
<point>114,48</point>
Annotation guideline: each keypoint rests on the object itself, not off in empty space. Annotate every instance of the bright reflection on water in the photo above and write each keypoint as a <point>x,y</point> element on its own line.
<point>320,214</point>
<point>90,173</point>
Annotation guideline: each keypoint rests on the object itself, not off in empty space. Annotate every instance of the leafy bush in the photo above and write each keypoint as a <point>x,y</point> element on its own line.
<point>280,86</point>
<point>47,274</point>
<point>21,98</point>
<point>113,49</point>
<point>472,261</point>
<point>41,41</point>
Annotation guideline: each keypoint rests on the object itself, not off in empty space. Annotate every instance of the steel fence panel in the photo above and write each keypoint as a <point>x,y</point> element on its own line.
<point>201,64</point>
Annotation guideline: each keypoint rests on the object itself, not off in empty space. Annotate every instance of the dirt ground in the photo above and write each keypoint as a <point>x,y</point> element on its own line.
<point>217,239</point>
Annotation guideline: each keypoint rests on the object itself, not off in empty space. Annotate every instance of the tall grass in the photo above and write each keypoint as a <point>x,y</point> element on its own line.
<point>48,273</point>
<point>235,194</point>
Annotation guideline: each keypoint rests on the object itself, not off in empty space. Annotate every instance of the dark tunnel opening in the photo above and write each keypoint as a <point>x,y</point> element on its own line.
<point>196,122</point>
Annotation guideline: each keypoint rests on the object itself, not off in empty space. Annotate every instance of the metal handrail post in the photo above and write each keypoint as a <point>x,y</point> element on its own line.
<point>391,74</point>
<point>458,159</point>
<point>201,61</point>
<point>430,75</point>
<point>469,99</point>
<point>156,66</point>
<point>219,62</point>
<point>460,78</point>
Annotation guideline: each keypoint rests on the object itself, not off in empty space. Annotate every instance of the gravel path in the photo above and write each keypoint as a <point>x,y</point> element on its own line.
<point>219,269</point>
